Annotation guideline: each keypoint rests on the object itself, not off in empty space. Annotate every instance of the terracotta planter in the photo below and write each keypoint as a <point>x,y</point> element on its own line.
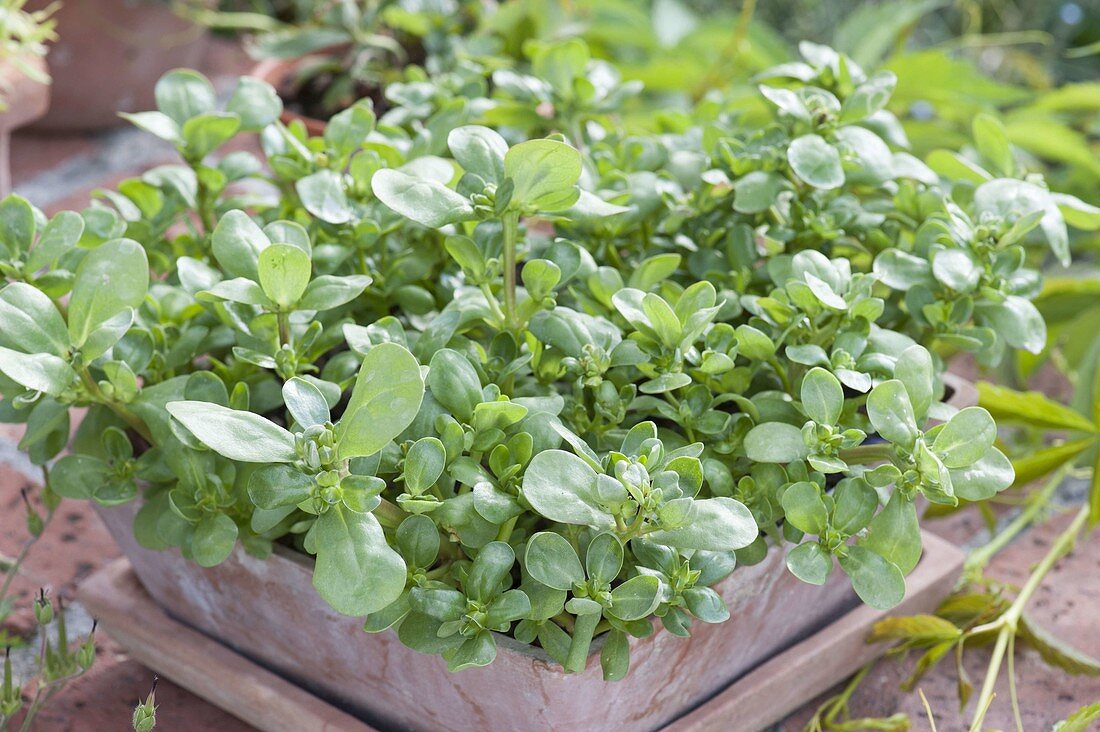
<point>268,611</point>
<point>109,55</point>
<point>26,100</point>
<point>278,72</point>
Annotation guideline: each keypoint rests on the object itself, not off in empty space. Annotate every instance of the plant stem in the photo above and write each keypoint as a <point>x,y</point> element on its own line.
<point>865,454</point>
<point>583,631</point>
<point>1007,624</point>
<point>389,514</point>
<point>283,319</point>
<point>510,224</point>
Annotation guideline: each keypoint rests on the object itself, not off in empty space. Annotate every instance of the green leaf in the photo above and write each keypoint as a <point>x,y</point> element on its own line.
<point>1055,652</point>
<point>348,130</point>
<point>479,150</point>
<point>854,504</point>
<point>235,434</point>
<point>878,583</point>
<point>357,572</point>
<point>31,321</point>
<point>965,438</point>
<point>604,558</point>
<point>985,478</point>
<point>891,413</point>
<point>1080,721</point>
<point>822,396</point>
<point>615,654</point>
<point>894,533</point>
<point>213,540</point>
<point>75,476</point>
<point>111,278</point>
<point>305,402</point>
<point>182,94</point>
<point>237,242</point>
<point>756,191</point>
<point>713,524</point>
<point>914,369</point>
<point>454,383</point>
<point>16,224</point>
<point>1033,408</point>
<point>992,142</point>
<point>804,508</point>
<point>284,272</point>
<point>384,401</point>
<point>775,442</point>
<point>562,487</point>
<point>810,563</point>
<point>551,560</point>
<point>1016,320</point>
<point>426,202</point>
<point>816,162</point>
<point>60,235</point>
<point>636,598</point>
<point>545,174</point>
<point>274,486</point>
<point>424,464</point>
<point>1044,461</point>
<point>488,572</point>
<point>37,371</point>
<point>256,103</point>
<point>323,195</point>
<point>206,132</point>
<point>329,291</point>
<point>1014,199</point>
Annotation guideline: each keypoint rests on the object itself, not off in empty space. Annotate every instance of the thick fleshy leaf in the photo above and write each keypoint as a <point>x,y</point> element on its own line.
<point>384,401</point>
<point>234,433</point>
<point>357,572</point>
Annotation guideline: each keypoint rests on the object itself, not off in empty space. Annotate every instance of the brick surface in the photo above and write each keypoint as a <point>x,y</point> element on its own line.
<point>1066,605</point>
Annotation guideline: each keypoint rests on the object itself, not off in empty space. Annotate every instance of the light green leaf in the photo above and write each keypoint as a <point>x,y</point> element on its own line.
<point>323,195</point>
<point>551,560</point>
<point>965,438</point>
<point>810,563</point>
<point>891,413</point>
<point>878,583</point>
<point>384,401</point>
<point>213,540</point>
<point>357,572</point>
<point>284,274</point>
<point>894,533</point>
<point>111,278</point>
<point>37,371</point>
<point>545,174</point>
<point>426,202</point>
<point>816,162</point>
<point>822,396</point>
<point>775,442</point>
<point>562,487</point>
<point>234,433</point>
<point>713,524</point>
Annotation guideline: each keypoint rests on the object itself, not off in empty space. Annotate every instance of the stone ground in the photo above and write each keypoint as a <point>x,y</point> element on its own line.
<point>57,172</point>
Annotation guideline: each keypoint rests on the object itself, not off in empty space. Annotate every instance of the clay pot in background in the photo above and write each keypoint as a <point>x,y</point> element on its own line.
<point>109,55</point>
<point>26,101</point>
<point>278,72</point>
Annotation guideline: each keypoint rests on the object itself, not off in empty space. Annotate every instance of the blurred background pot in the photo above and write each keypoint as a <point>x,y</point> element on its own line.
<point>109,55</point>
<point>24,100</point>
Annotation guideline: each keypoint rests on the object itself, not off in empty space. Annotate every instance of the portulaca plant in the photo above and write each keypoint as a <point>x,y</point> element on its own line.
<point>552,387</point>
